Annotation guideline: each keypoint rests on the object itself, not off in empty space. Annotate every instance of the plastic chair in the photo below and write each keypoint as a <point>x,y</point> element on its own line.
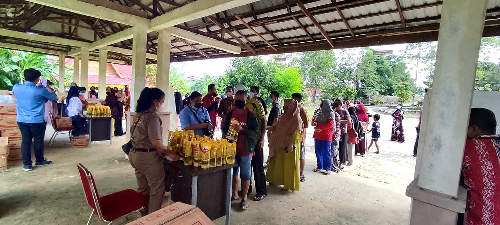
<point>57,130</point>
<point>112,206</point>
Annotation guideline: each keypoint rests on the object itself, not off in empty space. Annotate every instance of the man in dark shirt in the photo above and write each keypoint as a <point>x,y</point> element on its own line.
<point>248,135</point>
<point>275,110</point>
<point>345,119</point>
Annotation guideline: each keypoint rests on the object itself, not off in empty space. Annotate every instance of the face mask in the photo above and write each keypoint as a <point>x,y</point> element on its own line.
<point>197,105</point>
<point>240,104</point>
<point>251,94</point>
<point>82,94</point>
<point>229,94</point>
<point>270,100</point>
<point>108,93</point>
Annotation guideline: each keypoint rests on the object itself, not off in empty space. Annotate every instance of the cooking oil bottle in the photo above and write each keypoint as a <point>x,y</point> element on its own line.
<point>195,148</point>
<point>213,154</point>
<point>205,155</point>
<point>188,156</point>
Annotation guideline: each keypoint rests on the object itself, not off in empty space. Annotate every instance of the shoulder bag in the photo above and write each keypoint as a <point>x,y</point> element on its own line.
<point>206,132</point>
<point>128,146</point>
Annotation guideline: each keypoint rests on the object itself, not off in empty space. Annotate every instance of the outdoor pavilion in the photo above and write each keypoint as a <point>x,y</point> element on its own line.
<point>138,32</point>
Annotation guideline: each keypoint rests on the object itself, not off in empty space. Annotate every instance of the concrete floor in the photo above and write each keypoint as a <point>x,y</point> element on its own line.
<point>371,192</point>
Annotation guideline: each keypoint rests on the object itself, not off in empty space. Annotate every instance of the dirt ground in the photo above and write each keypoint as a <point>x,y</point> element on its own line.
<point>372,191</point>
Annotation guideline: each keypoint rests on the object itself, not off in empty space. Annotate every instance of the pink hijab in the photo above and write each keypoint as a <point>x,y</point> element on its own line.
<point>362,115</point>
<point>281,133</point>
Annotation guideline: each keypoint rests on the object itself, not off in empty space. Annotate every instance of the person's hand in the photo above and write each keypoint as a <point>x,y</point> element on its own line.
<point>172,157</point>
<point>81,115</point>
<point>237,127</point>
<point>315,124</point>
<point>210,127</point>
<point>317,130</point>
<point>203,125</point>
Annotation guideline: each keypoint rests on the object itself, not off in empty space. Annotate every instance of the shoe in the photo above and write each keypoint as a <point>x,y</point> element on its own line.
<point>44,163</point>
<point>28,168</point>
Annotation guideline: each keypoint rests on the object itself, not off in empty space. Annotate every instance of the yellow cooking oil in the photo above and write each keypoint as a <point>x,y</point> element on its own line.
<point>195,149</point>
<point>188,153</point>
<point>205,155</point>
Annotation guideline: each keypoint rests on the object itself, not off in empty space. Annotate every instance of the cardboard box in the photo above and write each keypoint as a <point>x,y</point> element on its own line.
<point>4,146</point>
<point>80,141</point>
<point>8,109</point>
<point>63,122</point>
<point>15,143</point>
<point>175,214</point>
<point>8,121</point>
<point>12,133</point>
<point>14,155</point>
<point>3,162</point>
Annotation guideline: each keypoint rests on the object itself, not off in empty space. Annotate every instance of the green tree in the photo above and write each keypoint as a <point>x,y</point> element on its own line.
<point>487,77</point>
<point>289,82</point>
<point>176,79</point>
<point>201,85</point>
<point>318,69</point>
<point>403,91</point>
<point>13,63</point>
<point>367,80</point>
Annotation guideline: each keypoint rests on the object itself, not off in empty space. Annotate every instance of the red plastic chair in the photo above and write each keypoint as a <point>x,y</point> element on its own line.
<point>112,206</point>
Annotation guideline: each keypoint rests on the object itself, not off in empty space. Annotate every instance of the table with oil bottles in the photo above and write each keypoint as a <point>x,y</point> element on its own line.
<point>204,177</point>
<point>100,123</point>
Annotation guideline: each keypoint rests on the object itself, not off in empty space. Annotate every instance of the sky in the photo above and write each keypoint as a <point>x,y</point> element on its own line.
<point>216,67</point>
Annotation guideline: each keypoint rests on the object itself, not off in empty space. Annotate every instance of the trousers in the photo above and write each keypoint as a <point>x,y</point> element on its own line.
<point>32,133</point>
<point>150,175</point>
<point>258,172</point>
<point>323,155</point>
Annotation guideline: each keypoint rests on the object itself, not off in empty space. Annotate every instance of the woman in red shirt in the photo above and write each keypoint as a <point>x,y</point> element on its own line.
<point>324,123</point>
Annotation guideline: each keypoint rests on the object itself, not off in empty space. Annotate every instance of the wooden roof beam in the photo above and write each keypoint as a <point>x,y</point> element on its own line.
<point>401,16</point>
<point>248,47</point>
<point>345,21</point>
<point>315,22</point>
<point>203,40</point>
<point>194,47</point>
<point>255,32</point>
<point>272,35</point>
<point>43,38</point>
<point>97,11</point>
<point>171,2</point>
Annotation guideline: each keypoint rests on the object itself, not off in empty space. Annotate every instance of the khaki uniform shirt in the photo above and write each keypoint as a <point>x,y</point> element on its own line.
<point>148,127</point>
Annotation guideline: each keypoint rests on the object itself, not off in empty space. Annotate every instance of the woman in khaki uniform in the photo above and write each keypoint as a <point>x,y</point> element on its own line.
<point>147,148</point>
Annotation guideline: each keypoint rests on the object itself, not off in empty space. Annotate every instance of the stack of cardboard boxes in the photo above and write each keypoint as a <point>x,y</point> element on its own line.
<point>4,152</point>
<point>9,128</point>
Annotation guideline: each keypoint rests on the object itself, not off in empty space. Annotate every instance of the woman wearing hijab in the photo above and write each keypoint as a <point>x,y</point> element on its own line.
<point>397,125</point>
<point>284,148</point>
<point>92,93</point>
<point>362,115</point>
<point>116,112</point>
<point>75,111</point>
<point>324,122</point>
<point>353,131</point>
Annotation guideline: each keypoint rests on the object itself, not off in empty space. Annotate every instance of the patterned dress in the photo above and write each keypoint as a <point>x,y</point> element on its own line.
<point>481,174</point>
<point>397,126</point>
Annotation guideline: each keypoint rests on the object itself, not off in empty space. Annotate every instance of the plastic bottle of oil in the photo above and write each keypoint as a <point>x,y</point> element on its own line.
<point>205,155</point>
<point>213,154</point>
<point>230,151</point>
<point>220,155</point>
<point>195,149</point>
<point>188,156</point>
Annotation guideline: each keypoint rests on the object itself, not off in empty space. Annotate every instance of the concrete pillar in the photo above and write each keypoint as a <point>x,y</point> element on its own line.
<point>460,35</point>
<point>138,64</point>
<point>163,69</point>
<point>436,195</point>
<point>76,69</point>
<point>103,62</point>
<point>62,71</point>
<point>84,74</point>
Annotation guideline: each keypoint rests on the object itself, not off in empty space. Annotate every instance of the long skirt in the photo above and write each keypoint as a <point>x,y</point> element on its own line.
<point>334,151</point>
<point>362,145</point>
<point>343,148</point>
<point>397,131</point>
<point>284,169</point>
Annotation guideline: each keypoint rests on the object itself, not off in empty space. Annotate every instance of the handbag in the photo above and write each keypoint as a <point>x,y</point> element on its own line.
<point>206,131</point>
<point>128,146</point>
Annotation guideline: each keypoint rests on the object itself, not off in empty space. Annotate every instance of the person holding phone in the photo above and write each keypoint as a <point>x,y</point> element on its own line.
<point>195,116</point>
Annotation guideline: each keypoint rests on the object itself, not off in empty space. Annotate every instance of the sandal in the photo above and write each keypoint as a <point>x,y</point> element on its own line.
<point>284,190</point>
<point>234,199</point>
<point>377,152</point>
<point>302,178</point>
<point>259,197</point>
<point>327,173</point>
<point>244,204</point>
<point>316,170</point>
